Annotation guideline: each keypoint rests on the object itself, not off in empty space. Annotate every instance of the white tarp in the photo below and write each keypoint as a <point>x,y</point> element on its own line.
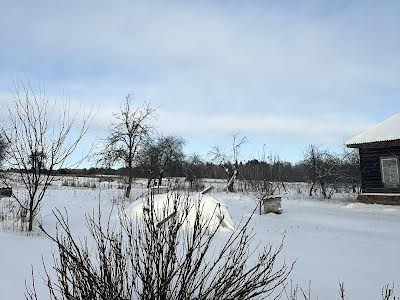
<point>213,210</point>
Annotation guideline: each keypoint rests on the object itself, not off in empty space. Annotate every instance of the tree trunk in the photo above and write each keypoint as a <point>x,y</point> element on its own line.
<point>230,186</point>
<point>129,187</point>
<point>30,217</point>
<point>149,182</point>
<point>160,178</point>
<point>323,189</point>
<point>311,189</point>
<point>231,182</point>
<point>30,223</point>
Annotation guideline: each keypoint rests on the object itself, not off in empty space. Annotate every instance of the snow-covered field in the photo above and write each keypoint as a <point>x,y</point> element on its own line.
<point>331,241</point>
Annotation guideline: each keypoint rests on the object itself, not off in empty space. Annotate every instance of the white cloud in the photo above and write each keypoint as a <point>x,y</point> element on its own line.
<point>309,129</point>
<point>302,72</point>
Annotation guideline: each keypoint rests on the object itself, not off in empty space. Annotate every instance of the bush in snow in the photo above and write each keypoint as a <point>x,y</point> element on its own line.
<point>12,216</point>
<point>162,255</point>
<point>329,172</point>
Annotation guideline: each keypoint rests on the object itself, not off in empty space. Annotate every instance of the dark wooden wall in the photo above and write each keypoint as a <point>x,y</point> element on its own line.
<point>371,178</point>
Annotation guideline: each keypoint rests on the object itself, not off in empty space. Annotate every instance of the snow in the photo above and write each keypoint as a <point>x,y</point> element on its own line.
<point>213,210</point>
<point>387,130</point>
<point>329,240</point>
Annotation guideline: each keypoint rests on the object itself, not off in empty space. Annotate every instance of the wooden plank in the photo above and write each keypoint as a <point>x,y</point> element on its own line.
<point>206,190</point>
<point>371,179</point>
<point>166,219</point>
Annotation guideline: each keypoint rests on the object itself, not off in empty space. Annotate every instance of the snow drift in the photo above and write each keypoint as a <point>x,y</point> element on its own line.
<point>213,210</point>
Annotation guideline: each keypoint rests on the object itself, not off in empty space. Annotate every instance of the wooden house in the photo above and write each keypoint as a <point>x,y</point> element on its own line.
<point>379,148</point>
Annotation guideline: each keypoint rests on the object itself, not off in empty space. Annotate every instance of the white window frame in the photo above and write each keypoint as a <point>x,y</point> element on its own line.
<point>397,169</point>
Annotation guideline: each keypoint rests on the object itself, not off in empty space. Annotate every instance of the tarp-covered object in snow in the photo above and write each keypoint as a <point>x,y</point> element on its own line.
<point>213,210</point>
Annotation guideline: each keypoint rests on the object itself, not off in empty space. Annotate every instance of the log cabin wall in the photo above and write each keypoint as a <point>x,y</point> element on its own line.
<point>370,164</point>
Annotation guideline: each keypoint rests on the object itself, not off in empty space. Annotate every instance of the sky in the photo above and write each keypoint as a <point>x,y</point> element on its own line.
<point>285,74</point>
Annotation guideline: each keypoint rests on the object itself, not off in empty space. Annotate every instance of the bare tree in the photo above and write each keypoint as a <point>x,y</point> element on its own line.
<point>40,140</point>
<point>229,159</point>
<point>160,154</point>
<point>126,135</point>
<point>329,172</point>
<point>351,169</point>
<point>171,150</point>
<point>157,257</point>
<point>324,171</point>
<point>193,171</point>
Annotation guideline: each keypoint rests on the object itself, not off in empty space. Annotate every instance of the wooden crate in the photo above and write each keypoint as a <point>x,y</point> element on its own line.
<point>272,204</point>
<point>5,192</point>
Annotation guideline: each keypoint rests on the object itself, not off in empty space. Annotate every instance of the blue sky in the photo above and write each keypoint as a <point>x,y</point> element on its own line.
<point>284,73</point>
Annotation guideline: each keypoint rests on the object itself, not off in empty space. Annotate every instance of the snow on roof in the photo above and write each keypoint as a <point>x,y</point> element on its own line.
<point>388,130</point>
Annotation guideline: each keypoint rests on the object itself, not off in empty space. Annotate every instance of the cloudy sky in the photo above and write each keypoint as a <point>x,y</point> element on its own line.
<point>284,73</point>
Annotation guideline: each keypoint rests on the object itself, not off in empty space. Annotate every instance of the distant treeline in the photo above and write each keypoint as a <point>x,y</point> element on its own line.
<point>324,171</point>
<point>283,171</point>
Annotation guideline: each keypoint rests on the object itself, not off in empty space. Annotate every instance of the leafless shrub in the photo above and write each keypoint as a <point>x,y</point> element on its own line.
<point>261,190</point>
<point>351,170</point>
<point>76,182</point>
<point>13,216</point>
<point>341,291</point>
<point>40,140</point>
<point>323,171</point>
<point>69,182</point>
<point>388,293</point>
<point>197,185</point>
<point>296,293</point>
<point>157,257</point>
<point>329,172</point>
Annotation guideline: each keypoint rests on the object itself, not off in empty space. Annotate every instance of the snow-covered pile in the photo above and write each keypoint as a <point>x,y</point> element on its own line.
<point>213,210</point>
<point>388,130</point>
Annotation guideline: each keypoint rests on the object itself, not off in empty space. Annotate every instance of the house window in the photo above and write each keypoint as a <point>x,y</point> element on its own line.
<point>390,170</point>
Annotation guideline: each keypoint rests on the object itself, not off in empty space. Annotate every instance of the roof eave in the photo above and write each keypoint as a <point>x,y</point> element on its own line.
<point>371,144</point>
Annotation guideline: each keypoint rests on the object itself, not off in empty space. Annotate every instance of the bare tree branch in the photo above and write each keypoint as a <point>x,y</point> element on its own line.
<point>40,140</point>
<point>157,257</point>
<point>126,134</point>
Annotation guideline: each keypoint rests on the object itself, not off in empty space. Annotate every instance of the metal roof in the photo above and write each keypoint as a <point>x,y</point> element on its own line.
<point>388,130</point>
